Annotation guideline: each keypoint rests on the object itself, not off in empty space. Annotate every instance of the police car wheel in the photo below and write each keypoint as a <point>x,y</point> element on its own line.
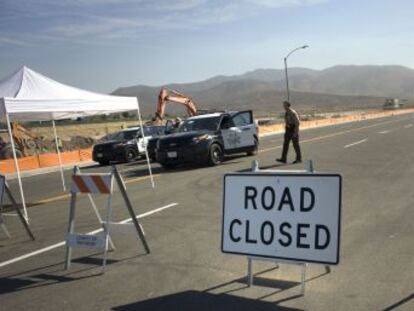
<point>215,155</point>
<point>130,155</point>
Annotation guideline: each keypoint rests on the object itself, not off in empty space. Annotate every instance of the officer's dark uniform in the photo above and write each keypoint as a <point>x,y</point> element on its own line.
<point>291,134</point>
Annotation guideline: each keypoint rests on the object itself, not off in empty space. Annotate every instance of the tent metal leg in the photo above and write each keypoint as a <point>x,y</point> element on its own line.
<point>59,156</point>
<point>146,150</point>
<point>16,164</point>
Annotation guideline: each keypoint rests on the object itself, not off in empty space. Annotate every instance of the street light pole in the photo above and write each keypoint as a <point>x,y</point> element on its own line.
<point>286,69</point>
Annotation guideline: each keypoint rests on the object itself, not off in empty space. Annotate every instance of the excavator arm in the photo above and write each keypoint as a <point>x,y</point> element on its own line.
<point>167,95</point>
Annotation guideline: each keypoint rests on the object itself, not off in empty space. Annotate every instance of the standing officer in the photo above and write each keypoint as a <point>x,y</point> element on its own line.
<point>291,133</point>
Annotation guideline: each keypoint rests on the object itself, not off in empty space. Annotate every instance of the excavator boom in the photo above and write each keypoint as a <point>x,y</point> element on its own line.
<point>167,95</point>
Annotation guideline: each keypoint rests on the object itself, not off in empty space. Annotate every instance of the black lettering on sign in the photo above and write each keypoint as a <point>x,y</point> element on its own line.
<point>268,204</point>
<point>250,194</point>
<point>286,234</point>
<point>300,235</point>
<point>248,239</point>
<point>286,199</point>
<point>318,244</point>
<point>309,206</point>
<point>271,232</point>
<point>232,237</point>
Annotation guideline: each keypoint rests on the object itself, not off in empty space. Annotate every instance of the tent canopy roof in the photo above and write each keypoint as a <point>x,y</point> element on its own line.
<point>29,96</point>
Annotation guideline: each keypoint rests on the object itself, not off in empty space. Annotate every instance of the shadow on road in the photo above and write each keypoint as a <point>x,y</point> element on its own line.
<point>54,274</point>
<point>196,300</point>
<point>400,303</point>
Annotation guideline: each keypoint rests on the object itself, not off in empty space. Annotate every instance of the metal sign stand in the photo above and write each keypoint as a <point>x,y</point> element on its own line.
<point>308,169</point>
<point>104,183</point>
<point>4,188</point>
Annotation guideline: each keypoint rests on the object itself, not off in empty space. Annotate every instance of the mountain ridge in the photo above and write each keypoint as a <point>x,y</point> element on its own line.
<point>339,87</point>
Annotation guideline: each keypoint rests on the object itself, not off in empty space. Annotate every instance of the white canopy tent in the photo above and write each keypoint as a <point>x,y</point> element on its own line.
<point>29,96</point>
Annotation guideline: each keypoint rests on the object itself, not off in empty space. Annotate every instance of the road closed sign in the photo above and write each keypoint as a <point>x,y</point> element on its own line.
<point>285,216</point>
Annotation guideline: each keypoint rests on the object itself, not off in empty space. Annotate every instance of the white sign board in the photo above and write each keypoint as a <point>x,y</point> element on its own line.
<point>285,216</point>
<point>85,241</point>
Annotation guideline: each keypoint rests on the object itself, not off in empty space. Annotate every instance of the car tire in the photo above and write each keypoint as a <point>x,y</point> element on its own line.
<point>130,155</point>
<point>255,149</point>
<point>215,155</point>
<point>103,163</point>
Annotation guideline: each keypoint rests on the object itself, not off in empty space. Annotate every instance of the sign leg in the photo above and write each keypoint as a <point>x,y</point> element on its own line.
<point>249,272</point>
<point>302,292</point>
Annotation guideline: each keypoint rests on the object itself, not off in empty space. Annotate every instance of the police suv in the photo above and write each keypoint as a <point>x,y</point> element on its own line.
<point>206,139</point>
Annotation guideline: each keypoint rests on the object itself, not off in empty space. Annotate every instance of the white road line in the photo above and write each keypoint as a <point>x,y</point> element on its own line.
<point>48,248</point>
<point>384,132</point>
<point>408,126</point>
<point>356,143</point>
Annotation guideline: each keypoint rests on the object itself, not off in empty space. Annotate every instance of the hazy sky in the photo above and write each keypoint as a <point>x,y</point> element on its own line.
<point>103,44</point>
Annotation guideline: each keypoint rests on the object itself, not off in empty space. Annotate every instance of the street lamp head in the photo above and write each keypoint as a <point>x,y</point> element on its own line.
<point>305,46</point>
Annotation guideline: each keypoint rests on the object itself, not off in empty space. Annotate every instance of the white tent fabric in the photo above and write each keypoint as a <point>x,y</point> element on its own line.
<point>29,96</point>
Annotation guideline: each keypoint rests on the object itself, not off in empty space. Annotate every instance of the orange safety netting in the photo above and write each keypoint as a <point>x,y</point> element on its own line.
<point>45,160</point>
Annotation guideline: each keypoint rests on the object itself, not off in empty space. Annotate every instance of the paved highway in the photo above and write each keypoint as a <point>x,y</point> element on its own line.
<point>187,271</point>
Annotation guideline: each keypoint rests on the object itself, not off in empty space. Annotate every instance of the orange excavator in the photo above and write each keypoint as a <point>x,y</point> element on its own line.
<point>168,95</point>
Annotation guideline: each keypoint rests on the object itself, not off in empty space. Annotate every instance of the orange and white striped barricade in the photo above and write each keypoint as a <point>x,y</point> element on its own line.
<point>4,189</point>
<point>97,184</point>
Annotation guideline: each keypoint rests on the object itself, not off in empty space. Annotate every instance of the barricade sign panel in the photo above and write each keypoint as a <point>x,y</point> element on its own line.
<point>88,183</point>
<point>85,241</point>
<point>99,184</point>
<point>289,216</point>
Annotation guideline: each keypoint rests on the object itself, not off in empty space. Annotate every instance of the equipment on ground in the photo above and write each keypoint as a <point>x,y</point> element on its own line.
<point>167,95</point>
<point>25,141</point>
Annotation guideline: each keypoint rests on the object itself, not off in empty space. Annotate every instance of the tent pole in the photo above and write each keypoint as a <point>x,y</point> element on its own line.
<point>16,165</point>
<point>146,151</point>
<point>59,156</point>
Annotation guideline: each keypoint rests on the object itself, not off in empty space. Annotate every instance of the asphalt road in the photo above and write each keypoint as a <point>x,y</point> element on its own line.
<point>187,271</point>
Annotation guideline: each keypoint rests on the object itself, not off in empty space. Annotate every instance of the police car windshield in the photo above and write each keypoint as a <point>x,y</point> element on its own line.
<point>123,135</point>
<point>209,124</point>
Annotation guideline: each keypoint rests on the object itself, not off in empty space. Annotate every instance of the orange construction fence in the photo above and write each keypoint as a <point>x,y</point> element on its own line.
<point>45,160</point>
<point>344,119</point>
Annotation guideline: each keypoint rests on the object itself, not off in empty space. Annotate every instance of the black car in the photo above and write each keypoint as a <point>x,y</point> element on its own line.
<point>124,146</point>
<point>206,139</point>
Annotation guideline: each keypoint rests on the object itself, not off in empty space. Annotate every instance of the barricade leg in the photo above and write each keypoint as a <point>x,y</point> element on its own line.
<point>70,228</point>
<point>3,226</point>
<point>128,204</point>
<point>107,228</point>
<point>19,213</point>
<point>100,219</point>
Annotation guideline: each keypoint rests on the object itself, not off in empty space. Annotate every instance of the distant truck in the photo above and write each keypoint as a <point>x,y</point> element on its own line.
<point>392,104</point>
